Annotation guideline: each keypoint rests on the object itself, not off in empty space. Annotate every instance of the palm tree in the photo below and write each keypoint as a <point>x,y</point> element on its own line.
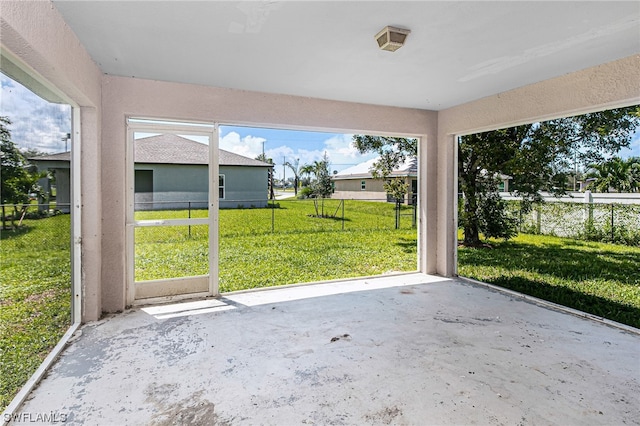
<point>306,170</point>
<point>262,157</point>
<point>616,174</point>
<point>297,171</point>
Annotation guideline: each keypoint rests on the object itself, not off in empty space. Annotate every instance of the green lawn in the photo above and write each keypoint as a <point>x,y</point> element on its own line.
<point>302,248</point>
<point>602,279</point>
<point>35,298</point>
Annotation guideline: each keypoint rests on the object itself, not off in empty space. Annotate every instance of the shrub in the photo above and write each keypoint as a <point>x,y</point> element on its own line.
<point>305,192</point>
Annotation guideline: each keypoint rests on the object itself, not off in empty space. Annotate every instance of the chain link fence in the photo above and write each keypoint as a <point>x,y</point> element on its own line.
<point>611,222</point>
<point>289,215</point>
<point>182,250</point>
<point>14,216</point>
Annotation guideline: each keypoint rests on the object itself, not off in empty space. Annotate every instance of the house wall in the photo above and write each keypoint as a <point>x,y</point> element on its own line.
<point>63,190</point>
<point>174,185</point>
<point>244,187</point>
<point>62,173</point>
<point>351,189</point>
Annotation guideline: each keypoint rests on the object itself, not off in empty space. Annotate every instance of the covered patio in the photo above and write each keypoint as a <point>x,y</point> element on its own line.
<point>410,349</point>
<point>407,349</point>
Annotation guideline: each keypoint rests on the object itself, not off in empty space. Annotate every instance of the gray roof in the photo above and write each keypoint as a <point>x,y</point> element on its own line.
<point>363,170</point>
<point>173,149</point>
<point>60,156</point>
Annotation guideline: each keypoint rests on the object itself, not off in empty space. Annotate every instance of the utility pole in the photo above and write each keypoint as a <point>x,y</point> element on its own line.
<point>66,139</point>
<point>284,171</point>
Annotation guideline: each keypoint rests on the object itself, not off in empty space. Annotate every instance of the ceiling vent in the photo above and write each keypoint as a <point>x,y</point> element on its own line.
<point>391,38</point>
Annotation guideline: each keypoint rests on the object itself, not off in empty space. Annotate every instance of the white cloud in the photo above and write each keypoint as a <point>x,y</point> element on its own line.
<point>36,123</point>
<point>343,154</point>
<point>341,146</point>
<point>249,146</point>
<point>338,148</point>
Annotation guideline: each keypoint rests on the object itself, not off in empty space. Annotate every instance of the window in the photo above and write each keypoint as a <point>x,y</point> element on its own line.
<point>144,181</point>
<point>221,187</point>
<point>363,185</point>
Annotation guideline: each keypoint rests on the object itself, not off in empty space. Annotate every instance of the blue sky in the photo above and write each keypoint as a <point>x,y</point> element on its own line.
<point>291,145</point>
<point>42,125</point>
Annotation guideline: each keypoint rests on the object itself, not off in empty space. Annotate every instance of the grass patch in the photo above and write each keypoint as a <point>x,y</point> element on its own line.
<point>35,298</point>
<point>598,278</point>
<point>302,248</point>
<point>270,260</point>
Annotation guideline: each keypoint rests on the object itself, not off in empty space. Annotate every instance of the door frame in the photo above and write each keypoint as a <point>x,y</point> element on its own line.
<point>191,128</point>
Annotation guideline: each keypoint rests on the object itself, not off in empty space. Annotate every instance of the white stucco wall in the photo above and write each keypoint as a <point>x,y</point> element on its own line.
<point>44,47</point>
<point>122,97</point>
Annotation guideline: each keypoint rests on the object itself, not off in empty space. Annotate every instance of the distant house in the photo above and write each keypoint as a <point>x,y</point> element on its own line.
<point>357,183</point>
<point>171,172</point>
<point>58,166</point>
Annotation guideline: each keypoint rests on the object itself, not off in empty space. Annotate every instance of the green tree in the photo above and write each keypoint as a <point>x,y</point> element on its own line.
<point>616,174</point>
<point>482,157</point>
<point>262,157</point>
<point>539,157</point>
<point>392,152</point>
<point>296,169</point>
<point>17,179</point>
<point>306,171</point>
<point>320,185</point>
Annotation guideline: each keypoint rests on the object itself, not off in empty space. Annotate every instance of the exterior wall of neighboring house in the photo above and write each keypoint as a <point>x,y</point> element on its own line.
<point>63,190</point>
<point>357,182</point>
<point>244,187</point>
<point>351,189</point>
<point>62,174</point>
<point>174,186</point>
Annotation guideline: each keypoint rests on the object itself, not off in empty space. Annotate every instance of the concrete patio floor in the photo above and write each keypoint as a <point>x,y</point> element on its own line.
<point>410,349</point>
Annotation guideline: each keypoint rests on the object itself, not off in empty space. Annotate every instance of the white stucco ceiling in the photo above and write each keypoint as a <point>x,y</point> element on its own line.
<point>456,52</point>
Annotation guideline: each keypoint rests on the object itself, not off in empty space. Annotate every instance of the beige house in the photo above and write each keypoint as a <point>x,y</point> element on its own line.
<point>193,66</point>
<point>357,183</point>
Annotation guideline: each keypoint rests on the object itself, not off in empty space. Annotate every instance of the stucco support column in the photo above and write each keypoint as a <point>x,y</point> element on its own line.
<point>447,238</point>
<point>91,219</point>
<point>428,201</point>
